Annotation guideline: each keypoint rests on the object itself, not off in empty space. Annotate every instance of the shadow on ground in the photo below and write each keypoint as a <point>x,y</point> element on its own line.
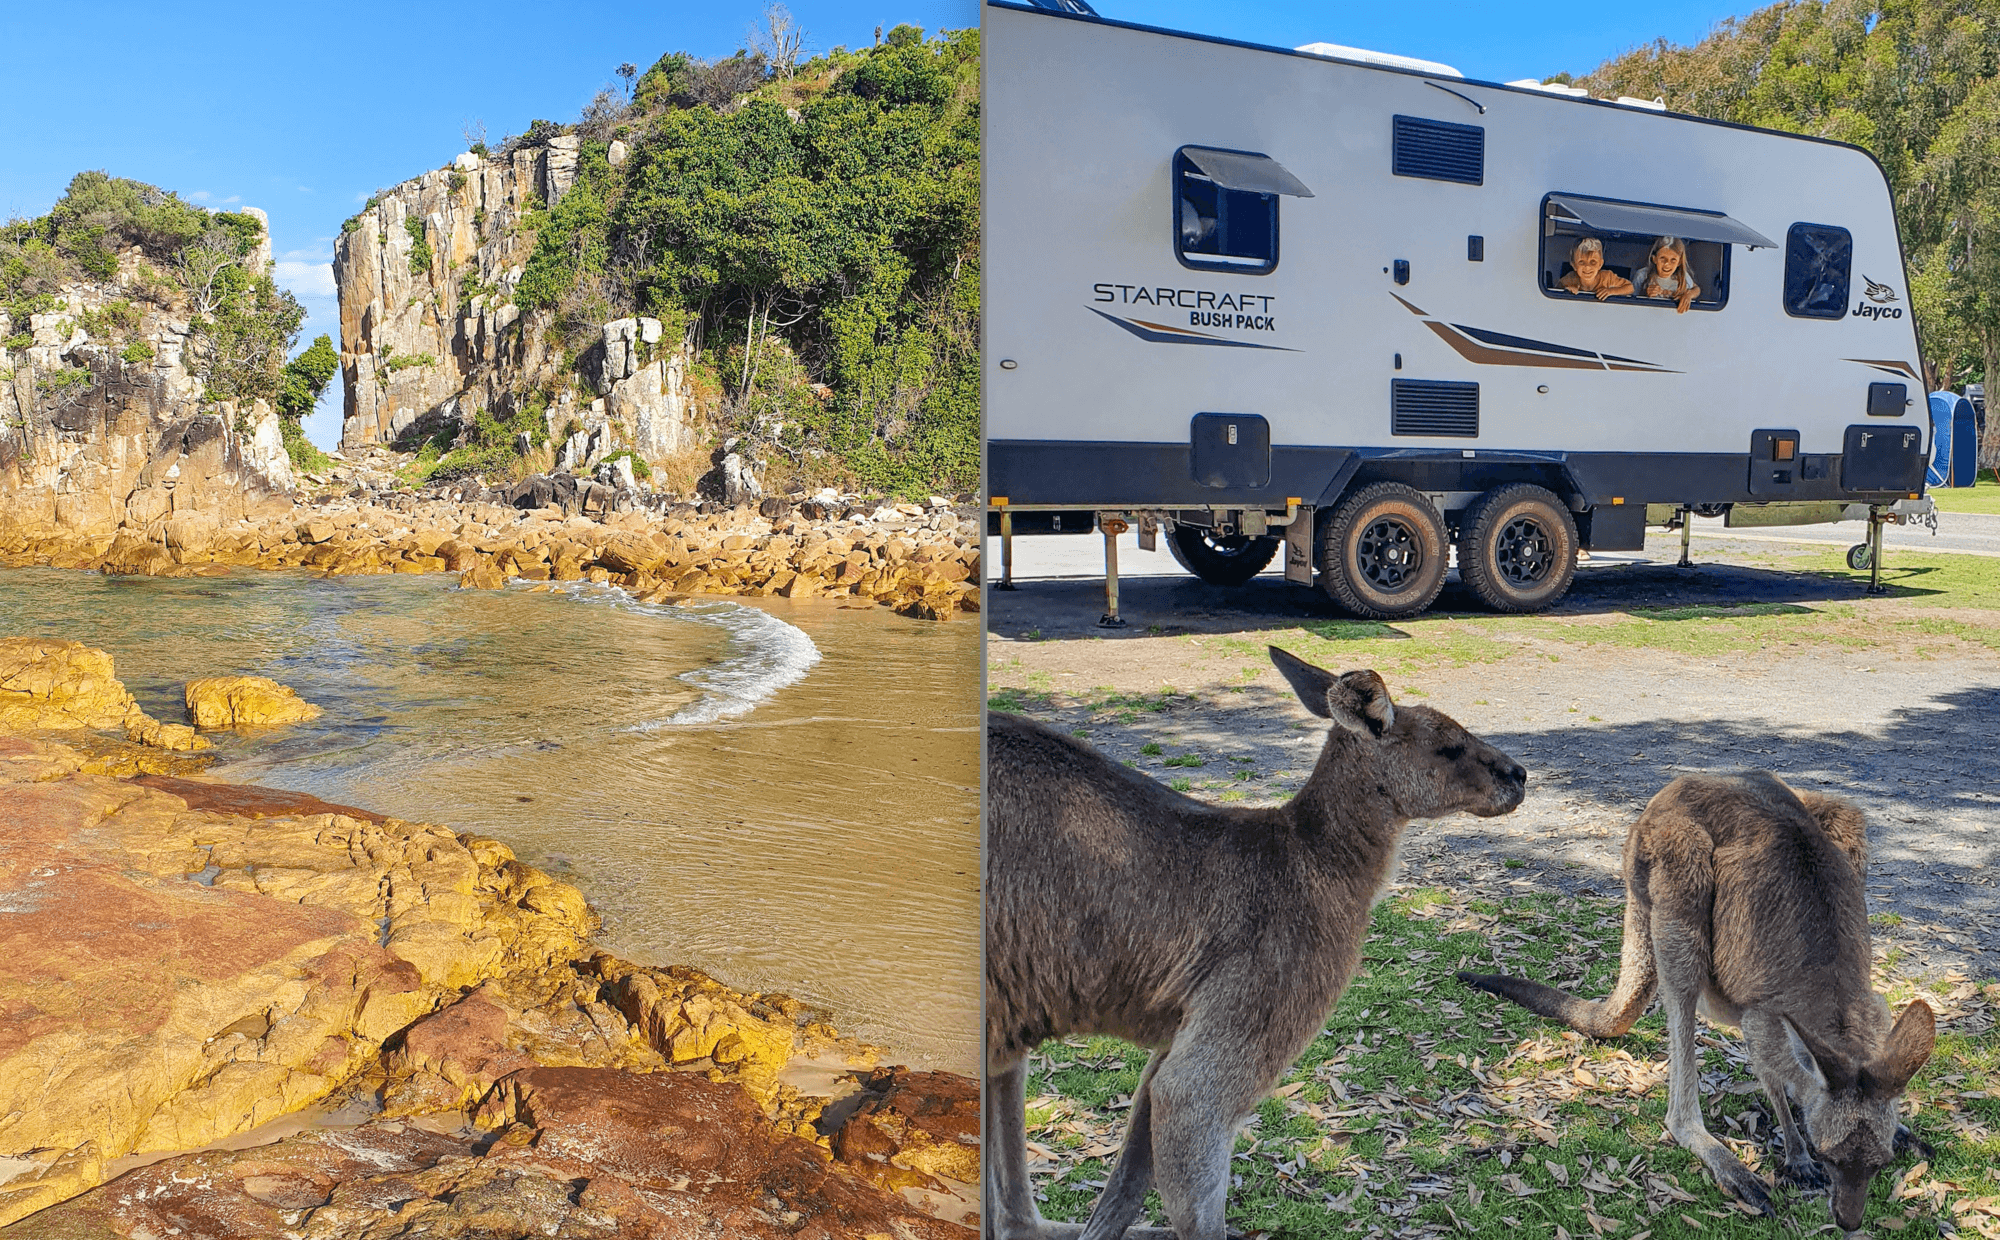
<point>1070,607</point>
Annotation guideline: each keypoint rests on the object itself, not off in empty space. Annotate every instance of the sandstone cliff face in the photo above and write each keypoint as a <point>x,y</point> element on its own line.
<point>103,425</point>
<point>442,341</point>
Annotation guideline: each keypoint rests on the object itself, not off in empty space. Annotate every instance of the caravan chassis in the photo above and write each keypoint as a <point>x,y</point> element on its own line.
<point>1251,536</point>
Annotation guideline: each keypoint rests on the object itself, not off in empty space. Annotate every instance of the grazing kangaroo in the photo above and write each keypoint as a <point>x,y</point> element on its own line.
<point>1743,900</point>
<point>1218,937</point>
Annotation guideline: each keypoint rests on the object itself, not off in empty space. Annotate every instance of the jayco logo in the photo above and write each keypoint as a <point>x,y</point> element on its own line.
<point>1881,295</point>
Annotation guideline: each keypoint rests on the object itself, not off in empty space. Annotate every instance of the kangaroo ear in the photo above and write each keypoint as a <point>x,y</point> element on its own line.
<point>1359,702</point>
<point>1810,1061</point>
<point>1904,1054</point>
<point>1309,682</point>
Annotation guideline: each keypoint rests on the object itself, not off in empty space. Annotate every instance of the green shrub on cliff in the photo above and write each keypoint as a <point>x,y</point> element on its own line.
<point>304,453</point>
<point>393,362</point>
<point>640,469</point>
<point>420,248</point>
<point>815,237</point>
<point>242,323</point>
<point>305,377</point>
<point>490,446</point>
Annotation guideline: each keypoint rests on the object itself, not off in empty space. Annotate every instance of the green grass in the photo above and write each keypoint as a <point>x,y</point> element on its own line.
<point>1983,497</point>
<point>1017,701</point>
<point>1426,1108</point>
<point>1927,578</point>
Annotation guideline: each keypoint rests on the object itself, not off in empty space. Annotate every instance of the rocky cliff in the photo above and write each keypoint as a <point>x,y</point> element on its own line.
<point>430,336</point>
<point>104,421</point>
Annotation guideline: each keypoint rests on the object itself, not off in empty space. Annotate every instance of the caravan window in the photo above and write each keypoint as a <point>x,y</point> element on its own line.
<point>1217,228</point>
<point>1816,262</point>
<point>1567,218</point>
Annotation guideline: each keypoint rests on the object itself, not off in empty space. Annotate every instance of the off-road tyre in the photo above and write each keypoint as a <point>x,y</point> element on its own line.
<point>1229,561</point>
<point>1517,548</point>
<point>1383,553</point>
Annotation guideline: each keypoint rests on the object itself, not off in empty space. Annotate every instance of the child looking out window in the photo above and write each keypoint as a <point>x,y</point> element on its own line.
<point>1588,278</point>
<point>1666,274</point>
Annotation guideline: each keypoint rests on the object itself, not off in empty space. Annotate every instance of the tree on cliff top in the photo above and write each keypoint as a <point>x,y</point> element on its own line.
<point>820,231</point>
<point>1916,83</point>
<point>242,323</point>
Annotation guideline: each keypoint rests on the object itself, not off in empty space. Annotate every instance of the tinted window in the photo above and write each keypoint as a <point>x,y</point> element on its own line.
<point>1217,228</point>
<point>1816,262</point>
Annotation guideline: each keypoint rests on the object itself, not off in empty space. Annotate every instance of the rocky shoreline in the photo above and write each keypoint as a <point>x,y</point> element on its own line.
<point>921,560</point>
<point>184,961</point>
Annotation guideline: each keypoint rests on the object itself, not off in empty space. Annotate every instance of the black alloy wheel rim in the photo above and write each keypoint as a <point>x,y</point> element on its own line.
<point>1524,553</point>
<point>1389,555</point>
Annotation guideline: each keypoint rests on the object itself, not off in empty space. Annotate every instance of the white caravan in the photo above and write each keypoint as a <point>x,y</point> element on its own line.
<point>1254,296</point>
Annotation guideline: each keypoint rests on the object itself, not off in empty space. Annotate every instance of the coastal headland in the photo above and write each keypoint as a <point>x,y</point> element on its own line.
<point>187,963</point>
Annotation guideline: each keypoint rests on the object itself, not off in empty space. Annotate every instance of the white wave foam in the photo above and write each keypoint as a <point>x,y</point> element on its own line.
<point>768,654</point>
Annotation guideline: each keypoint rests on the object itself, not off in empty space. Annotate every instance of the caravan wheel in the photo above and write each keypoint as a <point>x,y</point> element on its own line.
<point>1382,556</point>
<point>1220,561</point>
<point>1517,548</point>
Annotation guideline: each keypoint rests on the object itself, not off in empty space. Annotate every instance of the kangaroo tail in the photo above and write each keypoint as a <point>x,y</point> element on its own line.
<point>1609,1017</point>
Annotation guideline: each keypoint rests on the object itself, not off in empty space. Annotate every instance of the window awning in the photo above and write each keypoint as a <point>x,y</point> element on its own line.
<point>1627,217</point>
<point>1259,174</point>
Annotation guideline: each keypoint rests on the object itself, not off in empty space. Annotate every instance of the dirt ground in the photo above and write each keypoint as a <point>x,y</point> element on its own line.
<point>1894,703</point>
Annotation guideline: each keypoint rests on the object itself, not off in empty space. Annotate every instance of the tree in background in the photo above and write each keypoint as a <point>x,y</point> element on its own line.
<point>780,40</point>
<point>1913,82</point>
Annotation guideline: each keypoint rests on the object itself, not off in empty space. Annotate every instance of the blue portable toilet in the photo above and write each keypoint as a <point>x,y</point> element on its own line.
<point>1954,441</point>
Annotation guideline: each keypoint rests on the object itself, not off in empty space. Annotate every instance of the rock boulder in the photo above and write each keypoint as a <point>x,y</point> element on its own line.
<point>245,702</point>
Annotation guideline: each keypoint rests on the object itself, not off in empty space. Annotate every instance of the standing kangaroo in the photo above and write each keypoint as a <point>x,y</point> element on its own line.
<point>1743,900</point>
<point>1218,937</point>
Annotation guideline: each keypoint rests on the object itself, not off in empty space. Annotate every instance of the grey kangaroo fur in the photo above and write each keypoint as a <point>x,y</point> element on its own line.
<point>1744,900</point>
<point>1218,937</point>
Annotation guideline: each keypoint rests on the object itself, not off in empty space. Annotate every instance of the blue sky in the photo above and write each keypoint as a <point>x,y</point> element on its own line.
<point>304,110</point>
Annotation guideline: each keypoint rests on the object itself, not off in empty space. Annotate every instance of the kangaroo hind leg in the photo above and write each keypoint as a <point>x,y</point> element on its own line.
<point>1205,1090</point>
<point>1125,1189</point>
<point>1683,953</point>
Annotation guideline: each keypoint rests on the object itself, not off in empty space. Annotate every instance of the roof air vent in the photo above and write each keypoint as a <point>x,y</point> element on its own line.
<point>1338,51</point>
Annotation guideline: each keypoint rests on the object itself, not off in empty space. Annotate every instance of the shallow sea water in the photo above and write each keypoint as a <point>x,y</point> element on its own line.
<point>783,794</point>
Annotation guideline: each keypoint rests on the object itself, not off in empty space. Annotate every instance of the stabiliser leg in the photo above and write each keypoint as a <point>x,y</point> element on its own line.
<point>1876,520</point>
<point>1112,528</point>
<point>1006,550</point>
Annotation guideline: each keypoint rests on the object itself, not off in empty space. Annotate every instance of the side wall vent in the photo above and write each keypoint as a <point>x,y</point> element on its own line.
<point>1428,407</point>
<point>1439,150</point>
